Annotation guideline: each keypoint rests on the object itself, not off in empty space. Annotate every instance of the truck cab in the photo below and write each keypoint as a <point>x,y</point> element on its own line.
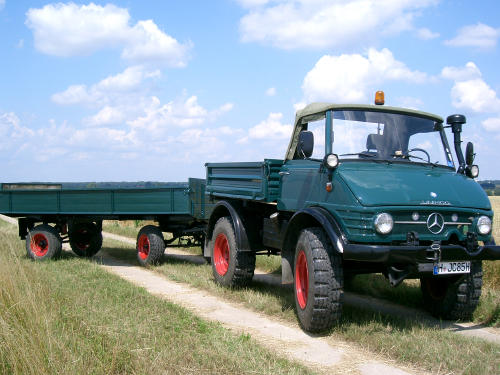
<point>364,189</point>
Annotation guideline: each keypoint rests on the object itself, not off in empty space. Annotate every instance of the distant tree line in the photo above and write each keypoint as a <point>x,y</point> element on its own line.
<point>116,185</point>
<point>491,187</point>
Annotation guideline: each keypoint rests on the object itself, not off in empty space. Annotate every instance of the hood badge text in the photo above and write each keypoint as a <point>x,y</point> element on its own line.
<point>435,203</point>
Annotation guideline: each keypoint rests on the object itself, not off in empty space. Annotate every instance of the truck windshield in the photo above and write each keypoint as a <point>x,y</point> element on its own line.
<point>389,136</point>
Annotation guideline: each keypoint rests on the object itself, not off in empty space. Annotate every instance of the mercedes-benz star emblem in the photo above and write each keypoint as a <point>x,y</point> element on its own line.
<point>435,223</point>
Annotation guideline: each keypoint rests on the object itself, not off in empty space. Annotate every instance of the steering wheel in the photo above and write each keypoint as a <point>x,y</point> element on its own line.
<point>421,150</point>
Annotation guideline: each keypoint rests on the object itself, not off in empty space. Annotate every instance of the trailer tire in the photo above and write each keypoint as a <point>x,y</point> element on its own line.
<point>454,298</point>
<point>318,281</point>
<point>43,242</point>
<point>230,266</point>
<point>85,239</point>
<point>150,245</point>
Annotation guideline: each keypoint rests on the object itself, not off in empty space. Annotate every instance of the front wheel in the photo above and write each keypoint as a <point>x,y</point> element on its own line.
<point>43,242</point>
<point>230,266</point>
<point>318,281</point>
<point>453,298</point>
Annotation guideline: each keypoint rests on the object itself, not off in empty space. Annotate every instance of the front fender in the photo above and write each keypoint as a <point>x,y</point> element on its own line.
<point>308,217</point>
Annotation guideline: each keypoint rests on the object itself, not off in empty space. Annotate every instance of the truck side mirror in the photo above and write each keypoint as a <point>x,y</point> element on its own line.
<point>469,153</point>
<point>306,144</point>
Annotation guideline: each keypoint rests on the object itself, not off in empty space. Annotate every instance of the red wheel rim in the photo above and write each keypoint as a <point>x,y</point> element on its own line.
<point>221,254</point>
<point>39,245</point>
<point>143,247</point>
<point>83,239</point>
<point>301,279</point>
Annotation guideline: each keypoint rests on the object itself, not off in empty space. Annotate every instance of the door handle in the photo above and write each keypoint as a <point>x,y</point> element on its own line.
<point>282,173</point>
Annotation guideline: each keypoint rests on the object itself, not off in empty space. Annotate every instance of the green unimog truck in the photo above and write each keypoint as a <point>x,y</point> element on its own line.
<point>362,189</point>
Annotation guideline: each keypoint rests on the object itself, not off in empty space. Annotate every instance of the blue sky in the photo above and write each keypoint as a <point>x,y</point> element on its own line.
<point>151,90</point>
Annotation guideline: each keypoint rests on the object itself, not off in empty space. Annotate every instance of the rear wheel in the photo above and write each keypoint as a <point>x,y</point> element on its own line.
<point>85,239</point>
<point>150,245</point>
<point>318,281</point>
<point>43,242</point>
<point>453,297</point>
<point>230,266</point>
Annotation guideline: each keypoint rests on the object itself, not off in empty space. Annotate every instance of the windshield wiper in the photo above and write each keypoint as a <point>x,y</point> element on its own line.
<point>364,154</point>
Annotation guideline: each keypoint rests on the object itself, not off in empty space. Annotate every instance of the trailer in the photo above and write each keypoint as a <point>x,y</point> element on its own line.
<point>49,214</point>
<point>378,191</point>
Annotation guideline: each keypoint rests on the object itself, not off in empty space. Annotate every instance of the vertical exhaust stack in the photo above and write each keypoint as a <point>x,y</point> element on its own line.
<point>456,122</point>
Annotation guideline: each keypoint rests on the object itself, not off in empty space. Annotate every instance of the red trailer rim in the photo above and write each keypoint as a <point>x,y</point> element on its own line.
<point>221,254</point>
<point>39,244</point>
<point>301,279</point>
<point>83,241</point>
<point>143,246</point>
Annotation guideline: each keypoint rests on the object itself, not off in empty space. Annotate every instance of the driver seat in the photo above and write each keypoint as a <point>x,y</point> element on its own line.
<point>371,143</point>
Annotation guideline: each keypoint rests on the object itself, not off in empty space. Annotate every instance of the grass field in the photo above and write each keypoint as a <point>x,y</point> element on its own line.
<point>69,316</point>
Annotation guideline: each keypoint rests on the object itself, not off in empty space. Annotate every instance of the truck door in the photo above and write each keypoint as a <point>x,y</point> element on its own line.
<point>303,179</point>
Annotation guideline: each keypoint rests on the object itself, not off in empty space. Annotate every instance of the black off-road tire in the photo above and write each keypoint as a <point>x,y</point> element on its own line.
<point>43,242</point>
<point>85,239</point>
<point>453,298</point>
<point>230,266</point>
<point>150,245</point>
<point>318,281</point>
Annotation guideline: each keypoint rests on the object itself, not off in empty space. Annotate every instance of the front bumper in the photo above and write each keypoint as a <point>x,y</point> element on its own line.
<point>402,254</point>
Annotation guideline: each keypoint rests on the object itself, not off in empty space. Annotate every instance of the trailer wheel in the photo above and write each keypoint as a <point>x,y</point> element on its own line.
<point>318,281</point>
<point>150,245</point>
<point>230,266</point>
<point>456,297</point>
<point>85,239</point>
<point>43,242</point>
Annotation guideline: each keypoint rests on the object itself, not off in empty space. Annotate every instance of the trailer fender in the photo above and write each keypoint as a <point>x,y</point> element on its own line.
<point>308,217</point>
<point>221,209</point>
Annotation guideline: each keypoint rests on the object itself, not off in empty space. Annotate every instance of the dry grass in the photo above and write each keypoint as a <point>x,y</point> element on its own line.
<point>69,316</point>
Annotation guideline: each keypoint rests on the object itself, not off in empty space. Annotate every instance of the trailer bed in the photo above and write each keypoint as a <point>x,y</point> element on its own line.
<point>19,200</point>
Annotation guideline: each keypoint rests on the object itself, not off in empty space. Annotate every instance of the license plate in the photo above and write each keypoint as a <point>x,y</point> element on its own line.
<point>448,268</point>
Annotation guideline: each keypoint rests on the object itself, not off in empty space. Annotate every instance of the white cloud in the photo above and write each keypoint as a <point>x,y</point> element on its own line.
<point>148,43</point>
<point>291,24</point>
<point>271,91</point>
<point>492,124</point>
<point>470,91</point>
<point>349,78</point>
<point>11,129</point>
<point>426,34</point>
<point>478,35</point>
<point>109,89</point>
<point>106,116</point>
<point>470,71</point>
<point>271,128</point>
<point>475,95</point>
<point>179,113</point>
<point>74,30</point>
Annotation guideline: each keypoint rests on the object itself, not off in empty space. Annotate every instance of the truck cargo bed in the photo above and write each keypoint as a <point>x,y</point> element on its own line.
<point>259,181</point>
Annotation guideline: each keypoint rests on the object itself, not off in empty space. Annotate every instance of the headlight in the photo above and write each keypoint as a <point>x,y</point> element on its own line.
<point>383,223</point>
<point>331,161</point>
<point>472,171</point>
<point>484,225</point>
